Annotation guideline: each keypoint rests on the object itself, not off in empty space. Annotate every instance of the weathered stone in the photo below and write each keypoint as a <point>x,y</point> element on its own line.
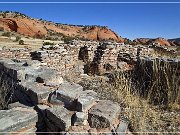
<point>41,75</point>
<point>16,119</point>
<point>36,92</point>
<point>41,126</point>
<point>86,100</point>
<point>33,63</point>
<point>93,131</point>
<point>54,82</point>
<point>80,119</point>
<point>66,94</point>
<point>60,116</point>
<point>103,114</point>
<point>17,104</point>
<point>52,126</point>
<point>78,132</point>
<point>11,68</point>
<point>28,131</point>
<point>122,128</point>
<point>41,110</point>
<point>105,132</point>
<point>81,130</point>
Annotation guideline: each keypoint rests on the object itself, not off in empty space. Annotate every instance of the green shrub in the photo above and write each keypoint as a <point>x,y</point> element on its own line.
<point>67,39</point>
<point>21,42</point>
<point>178,48</point>
<point>6,34</point>
<point>48,43</point>
<point>6,92</point>
<point>1,29</point>
<point>18,38</point>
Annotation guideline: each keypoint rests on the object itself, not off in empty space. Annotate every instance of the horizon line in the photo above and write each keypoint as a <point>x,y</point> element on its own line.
<point>78,2</point>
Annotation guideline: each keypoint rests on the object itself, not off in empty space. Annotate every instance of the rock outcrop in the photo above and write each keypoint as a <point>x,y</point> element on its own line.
<point>147,41</point>
<point>38,28</point>
<point>175,42</point>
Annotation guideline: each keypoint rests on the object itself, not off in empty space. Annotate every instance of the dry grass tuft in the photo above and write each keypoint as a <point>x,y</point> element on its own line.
<point>6,92</point>
<point>149,96</point>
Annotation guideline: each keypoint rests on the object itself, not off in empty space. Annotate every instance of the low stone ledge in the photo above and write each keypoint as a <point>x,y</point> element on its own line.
<point>86,100</point>
<point>104,114</point>
<point>80,119</point>
<point>122,128</point>
<point>37,93</point>
<point>17,118</point>
<point>60,116</point>
<point>66,94</point>
<point>51,126</point>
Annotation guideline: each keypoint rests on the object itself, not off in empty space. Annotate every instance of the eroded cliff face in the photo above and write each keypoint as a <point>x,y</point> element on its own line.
<point>175,42</point>
<point>147,41</point>
<point>38,28</point>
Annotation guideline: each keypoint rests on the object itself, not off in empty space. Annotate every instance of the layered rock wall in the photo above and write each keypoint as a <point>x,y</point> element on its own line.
<point>45,103</point>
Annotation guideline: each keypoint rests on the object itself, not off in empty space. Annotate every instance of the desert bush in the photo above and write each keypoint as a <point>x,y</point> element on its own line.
<point>5,93</point>
<point>18,38</point>
<point>67,39</point>
<point>48,43</point>
<point>1,29</point>
<point>6,34</point>
<point>164,53</point>
<point>178,48</point>
<point>146,94</point>
<point>157,81</point>
<point>21,42</point>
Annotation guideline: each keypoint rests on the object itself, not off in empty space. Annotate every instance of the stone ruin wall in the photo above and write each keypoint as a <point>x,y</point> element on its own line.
<point>80,57</point>
<point>107,57</point>
<point>41,101</point>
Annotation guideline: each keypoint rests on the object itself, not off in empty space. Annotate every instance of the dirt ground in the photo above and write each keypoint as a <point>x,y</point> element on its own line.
<point>34,44</point>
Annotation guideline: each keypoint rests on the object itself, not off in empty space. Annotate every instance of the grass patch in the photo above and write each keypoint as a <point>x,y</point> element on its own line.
<point>149,96</point>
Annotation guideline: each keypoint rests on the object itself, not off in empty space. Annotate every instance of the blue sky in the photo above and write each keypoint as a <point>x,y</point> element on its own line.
<point>128,20</point>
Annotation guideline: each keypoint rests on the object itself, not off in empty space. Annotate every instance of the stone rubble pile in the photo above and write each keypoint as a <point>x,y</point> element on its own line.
<point>42,102</point>
<point>109,56</point>
<point>75,57</point>
<point>15,53</point>
<point>63,58</point>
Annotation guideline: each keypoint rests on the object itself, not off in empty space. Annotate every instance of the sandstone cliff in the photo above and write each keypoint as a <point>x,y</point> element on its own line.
<point>38,28</point>
<point>147,41</point>
<point>175,41</point>
<point>27,26</point>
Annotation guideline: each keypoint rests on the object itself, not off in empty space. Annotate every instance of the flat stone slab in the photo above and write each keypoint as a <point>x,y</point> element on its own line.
<point>18,104</point>
<point>80,119</point>
<point>103,114</point>
<point>30,71</point>
<point>17,118</point>
<point>86,100</point>
<point>11,68</point>
<point>51,126</point>
<point>122,128</point>
<point>59,116</point>
<point>42,75</point>
<point>35,91</point>
<point>66,94</point>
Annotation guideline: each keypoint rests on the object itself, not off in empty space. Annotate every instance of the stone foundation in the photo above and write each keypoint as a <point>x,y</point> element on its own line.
<point>64,107</point>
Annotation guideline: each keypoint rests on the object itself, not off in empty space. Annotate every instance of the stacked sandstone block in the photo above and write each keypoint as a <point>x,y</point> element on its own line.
<point>43,102</point>
<point>63,59</point>
<point>15,53</point>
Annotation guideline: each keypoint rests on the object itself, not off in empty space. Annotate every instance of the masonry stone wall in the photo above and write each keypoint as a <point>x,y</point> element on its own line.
<point>79,57</point>
<point>40,99</point>
<point>47,103</point>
